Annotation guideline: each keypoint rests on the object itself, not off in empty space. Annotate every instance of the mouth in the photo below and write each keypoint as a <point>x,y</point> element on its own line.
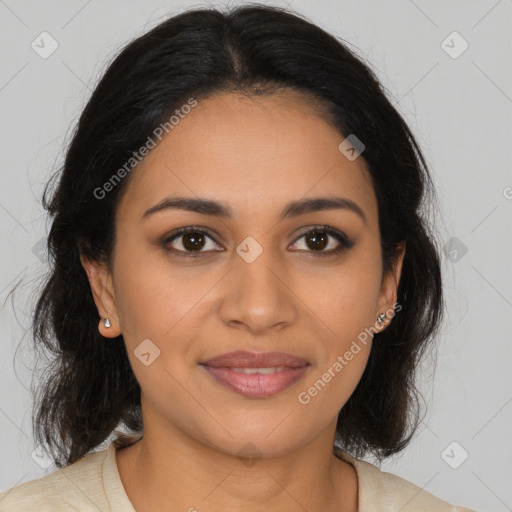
<point>256,374</point>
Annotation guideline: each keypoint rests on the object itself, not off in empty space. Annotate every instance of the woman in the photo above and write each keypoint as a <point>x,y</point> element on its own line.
<point>241,279</point>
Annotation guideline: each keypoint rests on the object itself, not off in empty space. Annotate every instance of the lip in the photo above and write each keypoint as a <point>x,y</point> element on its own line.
<point>256,385</point>
<point>223,369</point>
<point>245,359</point>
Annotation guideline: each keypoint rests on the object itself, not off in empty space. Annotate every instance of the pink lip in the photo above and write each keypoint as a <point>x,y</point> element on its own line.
<point>256,385</point>
<point>244,359</point>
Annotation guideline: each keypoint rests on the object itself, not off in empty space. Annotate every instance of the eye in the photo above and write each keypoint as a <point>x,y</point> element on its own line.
<point>190,240</point>
<point>316,240</point>
<point>194,241</point>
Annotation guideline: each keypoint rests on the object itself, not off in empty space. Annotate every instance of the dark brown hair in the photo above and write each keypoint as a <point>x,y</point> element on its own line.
<point>89,389</point>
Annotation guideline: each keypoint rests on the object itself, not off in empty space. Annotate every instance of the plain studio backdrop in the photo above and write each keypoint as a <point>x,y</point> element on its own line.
<point>446,67</point>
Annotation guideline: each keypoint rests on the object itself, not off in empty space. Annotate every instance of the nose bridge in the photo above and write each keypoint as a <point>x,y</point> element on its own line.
<point>257,296</point>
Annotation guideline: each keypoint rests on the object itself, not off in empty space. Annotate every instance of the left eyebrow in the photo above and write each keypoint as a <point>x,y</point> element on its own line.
<point>222,210</point>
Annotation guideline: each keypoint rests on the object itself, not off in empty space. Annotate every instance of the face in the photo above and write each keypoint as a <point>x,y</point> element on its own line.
<point>259,278</point>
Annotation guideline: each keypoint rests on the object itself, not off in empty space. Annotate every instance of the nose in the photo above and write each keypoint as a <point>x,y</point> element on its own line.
<point>258,297</point>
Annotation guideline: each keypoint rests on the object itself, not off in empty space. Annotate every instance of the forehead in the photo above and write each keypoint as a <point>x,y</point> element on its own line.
<point>255,153</point>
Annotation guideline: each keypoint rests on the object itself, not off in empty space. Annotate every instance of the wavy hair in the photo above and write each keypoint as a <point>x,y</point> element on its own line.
<point>89,388</point>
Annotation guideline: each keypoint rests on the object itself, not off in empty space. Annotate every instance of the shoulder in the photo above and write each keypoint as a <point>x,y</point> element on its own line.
<point>74,487</point>
<point>380,491</point>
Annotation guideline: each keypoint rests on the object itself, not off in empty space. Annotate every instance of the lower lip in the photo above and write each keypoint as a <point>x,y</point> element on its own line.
<point>256,385</point>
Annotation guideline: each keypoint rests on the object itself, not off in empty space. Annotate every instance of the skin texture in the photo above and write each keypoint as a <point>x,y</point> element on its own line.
<point>255,155</point>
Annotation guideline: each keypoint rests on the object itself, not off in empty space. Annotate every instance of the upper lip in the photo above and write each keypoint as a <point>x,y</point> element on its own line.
<point>244,359</point>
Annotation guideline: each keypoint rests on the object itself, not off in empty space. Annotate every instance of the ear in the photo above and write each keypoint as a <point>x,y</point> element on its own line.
<point>100,280</point>
<point>389,289</point>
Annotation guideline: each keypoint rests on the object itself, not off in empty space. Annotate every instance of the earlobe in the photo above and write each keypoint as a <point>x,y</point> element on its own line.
<point>109,327</point>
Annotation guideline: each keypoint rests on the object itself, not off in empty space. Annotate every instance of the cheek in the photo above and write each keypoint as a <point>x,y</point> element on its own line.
<point>348,308</point>
<point>153,295</point>
<point>347,297</point>
<point>346,304</point>
<point>325,394</point>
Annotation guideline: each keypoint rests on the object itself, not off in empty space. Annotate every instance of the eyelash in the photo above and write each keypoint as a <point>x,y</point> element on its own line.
<point>344,242</point>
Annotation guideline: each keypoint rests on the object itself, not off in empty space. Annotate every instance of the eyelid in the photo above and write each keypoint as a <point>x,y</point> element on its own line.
<point>344,241</point>
<point>340,236</point>
<point>170,237</point>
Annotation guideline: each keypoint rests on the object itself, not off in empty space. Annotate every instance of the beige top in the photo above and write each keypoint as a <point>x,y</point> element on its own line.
<point>92,484</point>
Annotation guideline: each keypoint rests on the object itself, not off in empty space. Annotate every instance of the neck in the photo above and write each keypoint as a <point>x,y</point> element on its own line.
<point>161,470</point>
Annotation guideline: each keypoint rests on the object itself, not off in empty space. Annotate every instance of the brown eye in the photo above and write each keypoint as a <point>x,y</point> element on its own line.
<point>316,240</point>
<point>319,238</point>
<point>193,241</point>
<point>187,241</point>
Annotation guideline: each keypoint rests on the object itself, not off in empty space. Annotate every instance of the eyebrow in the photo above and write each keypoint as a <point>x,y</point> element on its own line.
<point>222,210</point>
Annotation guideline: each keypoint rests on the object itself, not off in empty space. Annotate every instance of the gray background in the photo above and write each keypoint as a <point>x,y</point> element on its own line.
<point>460,110</point>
